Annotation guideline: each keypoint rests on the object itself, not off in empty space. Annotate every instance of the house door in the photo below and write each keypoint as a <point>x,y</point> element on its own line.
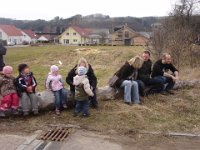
<point>127,42</point>
<point>66,41</point>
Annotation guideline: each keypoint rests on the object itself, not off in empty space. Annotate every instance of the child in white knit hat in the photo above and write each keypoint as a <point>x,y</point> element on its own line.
<point>55,83</point>
<point>82,92</point>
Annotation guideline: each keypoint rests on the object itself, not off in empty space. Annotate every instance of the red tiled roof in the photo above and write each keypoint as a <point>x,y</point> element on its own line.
<point>30,33</point>
<point>81,31</point>
<point>10,30</point>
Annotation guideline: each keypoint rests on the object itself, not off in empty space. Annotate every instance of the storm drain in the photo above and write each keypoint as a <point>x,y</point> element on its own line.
<point>56,134</point>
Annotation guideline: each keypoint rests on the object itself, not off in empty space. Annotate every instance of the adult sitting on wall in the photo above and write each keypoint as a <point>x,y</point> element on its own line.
<point>161,71</point>
<point>91,76</point>
<point>144,76</point>
<point>2,53</point>
<point>126,78</point>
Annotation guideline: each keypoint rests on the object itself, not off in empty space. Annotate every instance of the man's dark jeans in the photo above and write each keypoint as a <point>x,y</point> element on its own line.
<point>166,80</point>
<point>156,85</point>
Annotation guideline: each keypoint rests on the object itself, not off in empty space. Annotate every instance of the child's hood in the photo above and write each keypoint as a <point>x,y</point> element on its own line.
<point>80,79</point>
<point>53,76</point>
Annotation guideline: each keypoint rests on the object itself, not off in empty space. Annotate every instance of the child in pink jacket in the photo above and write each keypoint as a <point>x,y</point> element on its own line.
<point>55,83</point>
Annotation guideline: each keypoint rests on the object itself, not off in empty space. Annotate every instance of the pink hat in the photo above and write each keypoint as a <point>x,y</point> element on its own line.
<point>7,70</point>
<point>54,68</point>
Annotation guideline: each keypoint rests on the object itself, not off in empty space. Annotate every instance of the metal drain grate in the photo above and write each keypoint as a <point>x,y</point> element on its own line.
<point>56,134</point>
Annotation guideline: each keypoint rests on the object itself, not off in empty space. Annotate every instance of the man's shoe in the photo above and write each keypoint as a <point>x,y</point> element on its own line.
<point>128,103</point>
<point>94,107</point>
<point>75,114</point>
<point>164,93</point>
<point>169,92</point>
<point>85,115</point>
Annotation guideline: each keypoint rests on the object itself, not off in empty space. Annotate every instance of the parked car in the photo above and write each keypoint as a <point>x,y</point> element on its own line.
<point>10,44</point>
<point>25,43</point>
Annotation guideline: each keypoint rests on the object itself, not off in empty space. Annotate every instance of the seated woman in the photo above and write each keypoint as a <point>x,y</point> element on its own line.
<point>91,77</point>
<point>127,76</point>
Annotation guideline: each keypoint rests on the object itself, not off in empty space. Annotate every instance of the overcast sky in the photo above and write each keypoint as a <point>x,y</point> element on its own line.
<point>48,9</point>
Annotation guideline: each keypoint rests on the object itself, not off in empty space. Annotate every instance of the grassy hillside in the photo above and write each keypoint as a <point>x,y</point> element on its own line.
<point>105,60</point>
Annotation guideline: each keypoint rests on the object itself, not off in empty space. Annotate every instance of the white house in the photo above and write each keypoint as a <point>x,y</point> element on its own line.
<point>29,36</point>
<point>99,36</point>
<point>11,34</point>
<point>45,38</point>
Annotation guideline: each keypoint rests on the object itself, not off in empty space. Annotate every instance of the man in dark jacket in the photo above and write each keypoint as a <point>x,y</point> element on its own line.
<point>2,52</point>
<point>161,71</point>
<point>144,75</point>
<point>91,76</point>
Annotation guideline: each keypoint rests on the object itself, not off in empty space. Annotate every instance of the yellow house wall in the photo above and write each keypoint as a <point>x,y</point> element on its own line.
<point>71,37</point>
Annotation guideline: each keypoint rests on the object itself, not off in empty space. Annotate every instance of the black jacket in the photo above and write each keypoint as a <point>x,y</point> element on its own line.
<point>124,73</point>
<point>159,68</point>
<point>2,52</point>
<point>91,77</point>
<point>22,85</point>
<point>144,73</point>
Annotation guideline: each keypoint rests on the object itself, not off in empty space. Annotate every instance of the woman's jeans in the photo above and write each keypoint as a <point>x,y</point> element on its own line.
<point>60,98</point>
<point>131,92</point>
<point>29,102</point>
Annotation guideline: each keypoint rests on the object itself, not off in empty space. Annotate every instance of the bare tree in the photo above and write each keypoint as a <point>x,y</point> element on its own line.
<point>180,31</point>
<point>177,33</point>
<point>157,40</point>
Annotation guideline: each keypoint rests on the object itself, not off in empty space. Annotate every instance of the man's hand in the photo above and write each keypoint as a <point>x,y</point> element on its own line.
<point>91,88</point>
<point>175,79</point>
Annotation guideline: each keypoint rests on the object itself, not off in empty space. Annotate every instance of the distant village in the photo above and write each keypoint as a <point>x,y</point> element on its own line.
<point>75,35</point>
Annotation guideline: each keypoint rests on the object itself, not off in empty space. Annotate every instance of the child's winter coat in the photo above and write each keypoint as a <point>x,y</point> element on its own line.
<point>82,88</point>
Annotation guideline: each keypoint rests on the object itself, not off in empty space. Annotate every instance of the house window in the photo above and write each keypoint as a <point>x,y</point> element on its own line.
<point>66,41</point>
<point>126,34</point>
<point>120,34</point>
<point>74,33</point>
<point>67,33</point>
<point>75,40</point>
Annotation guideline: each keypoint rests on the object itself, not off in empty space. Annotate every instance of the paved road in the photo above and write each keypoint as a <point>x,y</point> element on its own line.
<point>85,140</point>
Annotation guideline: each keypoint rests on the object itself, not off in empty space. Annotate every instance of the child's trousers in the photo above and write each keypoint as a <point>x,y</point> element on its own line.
<point>82,106</point>
<point>10,101</point>
<point>29,102</point>
<point>60,98</point>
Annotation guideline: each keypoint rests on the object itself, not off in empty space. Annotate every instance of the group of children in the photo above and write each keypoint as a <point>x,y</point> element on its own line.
<point>18,94</point>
